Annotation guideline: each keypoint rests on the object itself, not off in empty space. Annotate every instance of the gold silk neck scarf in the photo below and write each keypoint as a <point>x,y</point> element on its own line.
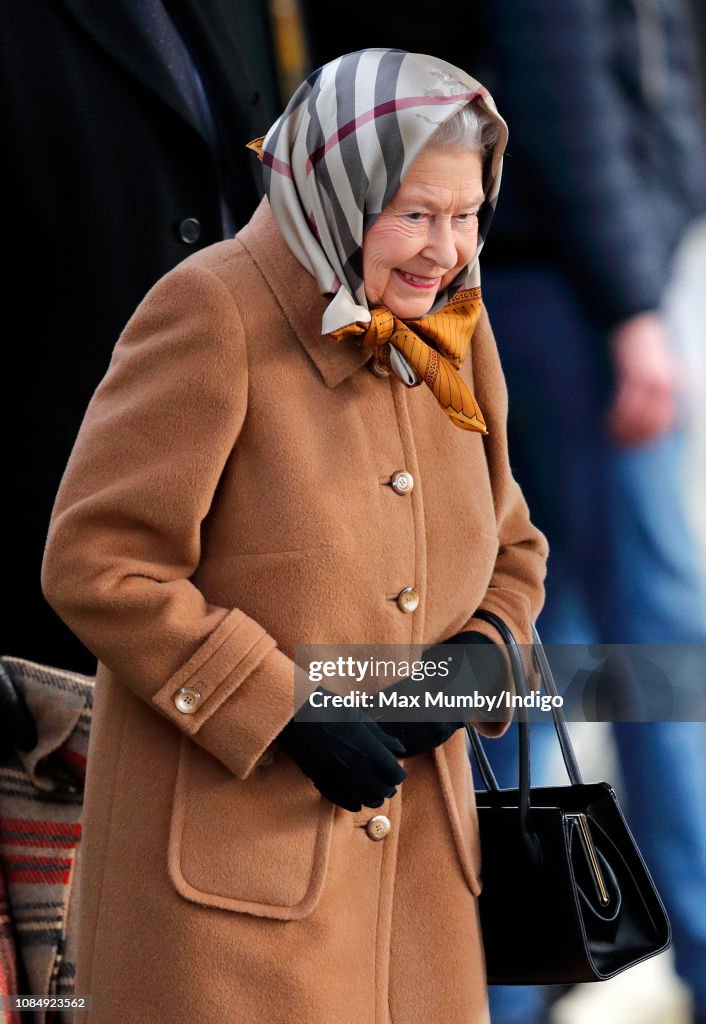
<point>451,330</point>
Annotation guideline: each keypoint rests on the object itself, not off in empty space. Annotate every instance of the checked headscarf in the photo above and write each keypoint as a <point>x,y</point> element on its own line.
<point>335,159</point>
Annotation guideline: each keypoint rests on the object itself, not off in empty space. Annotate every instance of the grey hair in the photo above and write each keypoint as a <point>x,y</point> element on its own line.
<point>470,128</point>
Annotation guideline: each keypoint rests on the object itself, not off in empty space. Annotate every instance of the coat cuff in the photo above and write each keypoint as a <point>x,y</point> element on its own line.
<point>243,690</point>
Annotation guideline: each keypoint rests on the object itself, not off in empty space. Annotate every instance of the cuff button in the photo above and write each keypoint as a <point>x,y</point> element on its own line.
<point>187,700</point>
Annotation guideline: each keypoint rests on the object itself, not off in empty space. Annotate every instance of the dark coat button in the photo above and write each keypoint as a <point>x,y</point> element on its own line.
<point>190,230</point>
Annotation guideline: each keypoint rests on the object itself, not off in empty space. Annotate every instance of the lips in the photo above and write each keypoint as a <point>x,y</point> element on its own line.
<point>416,281</point>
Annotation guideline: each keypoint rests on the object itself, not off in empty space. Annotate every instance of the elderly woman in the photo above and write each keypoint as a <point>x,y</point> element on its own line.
<point>258,470</point>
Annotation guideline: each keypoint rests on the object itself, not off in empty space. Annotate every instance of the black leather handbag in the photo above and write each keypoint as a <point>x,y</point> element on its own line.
<point>566,894</point>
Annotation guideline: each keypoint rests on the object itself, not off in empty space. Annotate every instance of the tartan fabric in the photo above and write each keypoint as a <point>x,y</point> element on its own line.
<point>8,953</point>
<point>41,796</point>
<point>335,158</point>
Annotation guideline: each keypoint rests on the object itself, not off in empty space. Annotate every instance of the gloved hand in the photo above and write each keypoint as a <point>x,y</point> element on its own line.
<point>352,762</point>
<point>419,737</point>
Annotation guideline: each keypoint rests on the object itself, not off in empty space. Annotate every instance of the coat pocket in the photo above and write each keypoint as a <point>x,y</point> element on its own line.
<point>258,846</point>
<point>456,782</point>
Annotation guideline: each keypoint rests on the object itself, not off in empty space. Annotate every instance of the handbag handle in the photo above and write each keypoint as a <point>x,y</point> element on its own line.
<point>560,727</point>
<point>518,671</point>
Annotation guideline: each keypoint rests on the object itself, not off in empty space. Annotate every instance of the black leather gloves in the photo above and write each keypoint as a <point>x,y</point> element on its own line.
<point>418,737</point>
<point>352,763</point>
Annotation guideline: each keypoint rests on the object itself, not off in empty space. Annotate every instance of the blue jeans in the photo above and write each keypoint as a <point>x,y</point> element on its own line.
<point>621,570</point>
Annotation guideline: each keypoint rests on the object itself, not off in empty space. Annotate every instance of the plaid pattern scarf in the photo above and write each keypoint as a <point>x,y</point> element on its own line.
<point>338,154</point>
<point>41,795</point>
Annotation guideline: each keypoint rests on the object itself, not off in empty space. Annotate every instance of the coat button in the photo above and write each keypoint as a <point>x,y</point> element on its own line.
<point>378,827</point>
<point>408,600</point>
<point>402,482</point>
<point>190,230</point>
<point>187,700</point>
<point>377,368</point>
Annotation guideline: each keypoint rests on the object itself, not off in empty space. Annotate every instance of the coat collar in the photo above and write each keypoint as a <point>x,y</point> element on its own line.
<point>117,31</point>
<point>298,294</point>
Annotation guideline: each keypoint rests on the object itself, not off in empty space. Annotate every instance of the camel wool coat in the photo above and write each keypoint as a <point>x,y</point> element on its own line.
<point>229,497</point>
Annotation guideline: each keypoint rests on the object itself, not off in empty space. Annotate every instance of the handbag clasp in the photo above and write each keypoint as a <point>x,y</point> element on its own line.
<point>591,854</point>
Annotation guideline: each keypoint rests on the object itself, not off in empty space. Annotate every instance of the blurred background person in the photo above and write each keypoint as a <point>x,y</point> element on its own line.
<point>604,175</point>
<point>125,128</point>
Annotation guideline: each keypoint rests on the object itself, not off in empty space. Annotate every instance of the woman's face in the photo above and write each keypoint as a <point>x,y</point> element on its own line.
<point>429,231</point>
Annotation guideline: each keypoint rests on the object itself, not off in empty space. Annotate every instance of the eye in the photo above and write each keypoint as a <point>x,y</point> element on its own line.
<point>415,217</point>
<point>464,217</point>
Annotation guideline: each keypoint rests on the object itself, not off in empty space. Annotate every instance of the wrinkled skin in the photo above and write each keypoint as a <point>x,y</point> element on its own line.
<point>429,230</point>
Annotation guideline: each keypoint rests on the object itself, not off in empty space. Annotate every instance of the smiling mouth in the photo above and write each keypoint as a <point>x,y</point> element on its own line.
<point>424,283</point>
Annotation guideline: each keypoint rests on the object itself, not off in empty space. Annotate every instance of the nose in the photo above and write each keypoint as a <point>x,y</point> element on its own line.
<point>440,247</point>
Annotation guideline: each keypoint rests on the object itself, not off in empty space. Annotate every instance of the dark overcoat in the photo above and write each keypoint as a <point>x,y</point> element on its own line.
<point>103,163</point>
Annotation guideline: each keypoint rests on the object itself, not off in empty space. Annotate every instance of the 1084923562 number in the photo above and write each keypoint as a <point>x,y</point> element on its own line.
<point>31,1002</point>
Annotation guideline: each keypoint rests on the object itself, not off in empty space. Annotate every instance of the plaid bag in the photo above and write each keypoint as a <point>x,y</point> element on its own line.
<point>41,796</point>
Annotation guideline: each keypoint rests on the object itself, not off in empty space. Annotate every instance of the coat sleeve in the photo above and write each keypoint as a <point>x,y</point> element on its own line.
<point>124,538</point>
<point>516,589</point>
